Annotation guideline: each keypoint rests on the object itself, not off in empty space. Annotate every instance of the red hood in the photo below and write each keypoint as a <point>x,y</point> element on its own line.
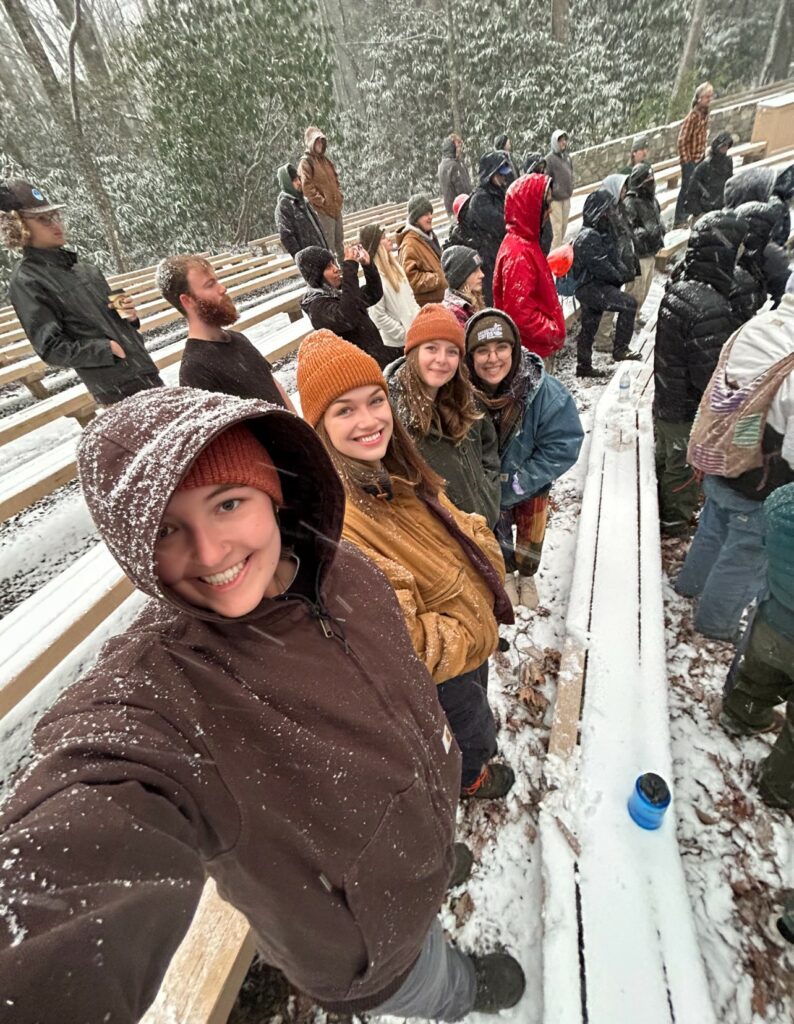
<point>523,206</point>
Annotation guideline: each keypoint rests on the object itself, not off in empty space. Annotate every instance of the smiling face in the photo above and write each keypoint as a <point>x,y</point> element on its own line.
<point>333,275</point>
<point>437,362</point>
<point>492,362</point>
<point>360,424</point>
<point>218,548</point>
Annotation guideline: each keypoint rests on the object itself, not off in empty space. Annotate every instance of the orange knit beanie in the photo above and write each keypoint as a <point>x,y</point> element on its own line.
<point>328,366</point>
<point>235,457</point>
<point>434,322</point>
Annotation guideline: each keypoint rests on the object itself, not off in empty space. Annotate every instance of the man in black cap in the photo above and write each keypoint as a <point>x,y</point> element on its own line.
<point>64,304</point>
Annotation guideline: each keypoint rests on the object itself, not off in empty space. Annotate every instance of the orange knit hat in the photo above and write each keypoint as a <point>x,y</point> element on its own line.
<point>235,457</point>
<point>434,322</point>
<point>328,366</point>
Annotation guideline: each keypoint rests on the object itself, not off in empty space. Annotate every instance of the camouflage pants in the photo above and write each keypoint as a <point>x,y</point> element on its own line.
<point>765,679</point>
<point>679,491</point>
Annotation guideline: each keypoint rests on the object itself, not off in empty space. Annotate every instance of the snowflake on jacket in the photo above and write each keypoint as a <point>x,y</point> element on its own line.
<point>643,213</point>
<point>707,184</point>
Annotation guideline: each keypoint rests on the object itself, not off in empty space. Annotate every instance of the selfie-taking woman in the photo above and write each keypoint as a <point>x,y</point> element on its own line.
<point>265,721</point>
<point>444,564</point>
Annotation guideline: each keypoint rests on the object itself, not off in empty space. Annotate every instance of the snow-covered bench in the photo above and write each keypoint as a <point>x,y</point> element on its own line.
<point>619,939</point>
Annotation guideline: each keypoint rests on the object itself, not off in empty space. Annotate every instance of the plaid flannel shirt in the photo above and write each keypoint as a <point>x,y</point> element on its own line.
<point>692,137</point>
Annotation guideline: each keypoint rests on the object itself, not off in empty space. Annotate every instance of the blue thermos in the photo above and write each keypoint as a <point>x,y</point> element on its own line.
<point>649,800</point>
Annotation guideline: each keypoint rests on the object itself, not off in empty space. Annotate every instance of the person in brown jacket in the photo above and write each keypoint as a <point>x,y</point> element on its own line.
<point>264,721</point>
<point>445,565</point>
<point>321,188</point>
<point>420,253</point>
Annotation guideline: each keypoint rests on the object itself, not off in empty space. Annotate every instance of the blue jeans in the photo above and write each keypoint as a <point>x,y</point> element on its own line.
<point>726,563</point>
<point>464,699</point>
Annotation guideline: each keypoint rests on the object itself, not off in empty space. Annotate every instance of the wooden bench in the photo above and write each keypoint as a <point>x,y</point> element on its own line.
<point>37,478</point>
<point>610,725</point>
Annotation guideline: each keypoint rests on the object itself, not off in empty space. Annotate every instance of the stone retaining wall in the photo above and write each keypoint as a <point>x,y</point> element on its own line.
<point>595,163</point>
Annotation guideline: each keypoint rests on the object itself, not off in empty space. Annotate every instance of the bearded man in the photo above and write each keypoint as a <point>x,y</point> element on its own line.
<point>215,359</point>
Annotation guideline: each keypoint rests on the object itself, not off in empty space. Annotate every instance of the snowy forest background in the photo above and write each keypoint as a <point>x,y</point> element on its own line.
<point>161,122</point>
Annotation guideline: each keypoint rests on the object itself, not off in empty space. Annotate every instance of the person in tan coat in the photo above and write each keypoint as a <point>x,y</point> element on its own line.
<point>321,188</point>
<point>444,565</point>
<point>420,252</point>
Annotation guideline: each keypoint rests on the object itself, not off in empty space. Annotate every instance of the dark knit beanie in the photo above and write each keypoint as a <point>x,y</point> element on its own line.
<point>418,206</point>
<point>641,142</point>
<point>312,262</point>
<point>490,325</point>
<point>457,262</point>
<point>370,237</point>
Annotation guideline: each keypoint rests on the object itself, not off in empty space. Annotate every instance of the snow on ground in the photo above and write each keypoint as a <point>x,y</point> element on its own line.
<point>738,856</point>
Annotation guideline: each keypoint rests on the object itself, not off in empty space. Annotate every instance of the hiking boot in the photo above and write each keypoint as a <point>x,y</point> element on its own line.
<point>734,727</point>
<point>626,355</point>
<point>511,588</point>
<point>494,781</point>
<point>500,982</point>
<point>528,592</point>
<point>464,859</point>
<point>590,371</point>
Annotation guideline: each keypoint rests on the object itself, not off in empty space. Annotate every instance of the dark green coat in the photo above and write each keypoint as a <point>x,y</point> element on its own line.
<point>471,468</point>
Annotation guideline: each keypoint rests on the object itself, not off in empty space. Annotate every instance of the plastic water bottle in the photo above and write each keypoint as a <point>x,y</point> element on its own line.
<point>649,800</point>
<point>624,392</point>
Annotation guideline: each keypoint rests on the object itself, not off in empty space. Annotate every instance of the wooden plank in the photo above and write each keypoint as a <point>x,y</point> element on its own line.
<point>39,477</point>
<point>38,634</point>
<point>76,401</point>
<point>205,974</point>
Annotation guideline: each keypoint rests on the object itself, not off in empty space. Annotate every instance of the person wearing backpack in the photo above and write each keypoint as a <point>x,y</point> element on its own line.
<point>695,320</point>
<point>765,670</point>
<point>750,397</point>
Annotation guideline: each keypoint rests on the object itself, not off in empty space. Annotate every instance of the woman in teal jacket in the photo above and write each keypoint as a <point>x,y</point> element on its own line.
<point>539,433</point>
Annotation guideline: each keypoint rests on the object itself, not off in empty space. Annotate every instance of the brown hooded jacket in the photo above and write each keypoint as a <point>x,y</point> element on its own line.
<point>295,754</point>
<point>319,178</point>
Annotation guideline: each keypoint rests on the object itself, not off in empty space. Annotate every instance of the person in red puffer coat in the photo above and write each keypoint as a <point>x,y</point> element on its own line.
<point>523,286</point>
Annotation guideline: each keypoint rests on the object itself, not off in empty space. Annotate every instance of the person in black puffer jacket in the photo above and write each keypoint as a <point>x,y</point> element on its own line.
<point>601,273</point>
<point>761,219</point>
<point>335,301</point>
<point>782,194</point>
<point>695,320</point>
<point>644,217</point>
<point>707,185</point>
<point>485,216</point>
<point>297,224</point>
<point>756,184</point>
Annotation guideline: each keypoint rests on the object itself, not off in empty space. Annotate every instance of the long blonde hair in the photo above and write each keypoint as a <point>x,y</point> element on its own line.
<point>14,233</point>
<point>390,268</point>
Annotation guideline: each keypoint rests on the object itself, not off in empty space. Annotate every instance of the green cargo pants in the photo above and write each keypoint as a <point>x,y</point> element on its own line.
<point>679,491</point>
<point>764,680</point>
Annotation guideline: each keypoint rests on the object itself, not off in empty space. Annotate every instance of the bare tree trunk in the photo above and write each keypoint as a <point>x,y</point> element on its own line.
<point>686,64</point>
<point>88,43</point>
<point>560,21</point>
<point>452,70</point>
<point>778,54</point>
<point>344,75</point>
<point>31,43</point>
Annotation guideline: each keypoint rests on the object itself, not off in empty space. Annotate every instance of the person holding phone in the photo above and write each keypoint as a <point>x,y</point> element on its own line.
<point>64,304</point>
<point>335,301</point>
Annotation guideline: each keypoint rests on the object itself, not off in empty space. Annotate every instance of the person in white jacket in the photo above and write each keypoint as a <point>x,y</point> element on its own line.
<point>395,312</point>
